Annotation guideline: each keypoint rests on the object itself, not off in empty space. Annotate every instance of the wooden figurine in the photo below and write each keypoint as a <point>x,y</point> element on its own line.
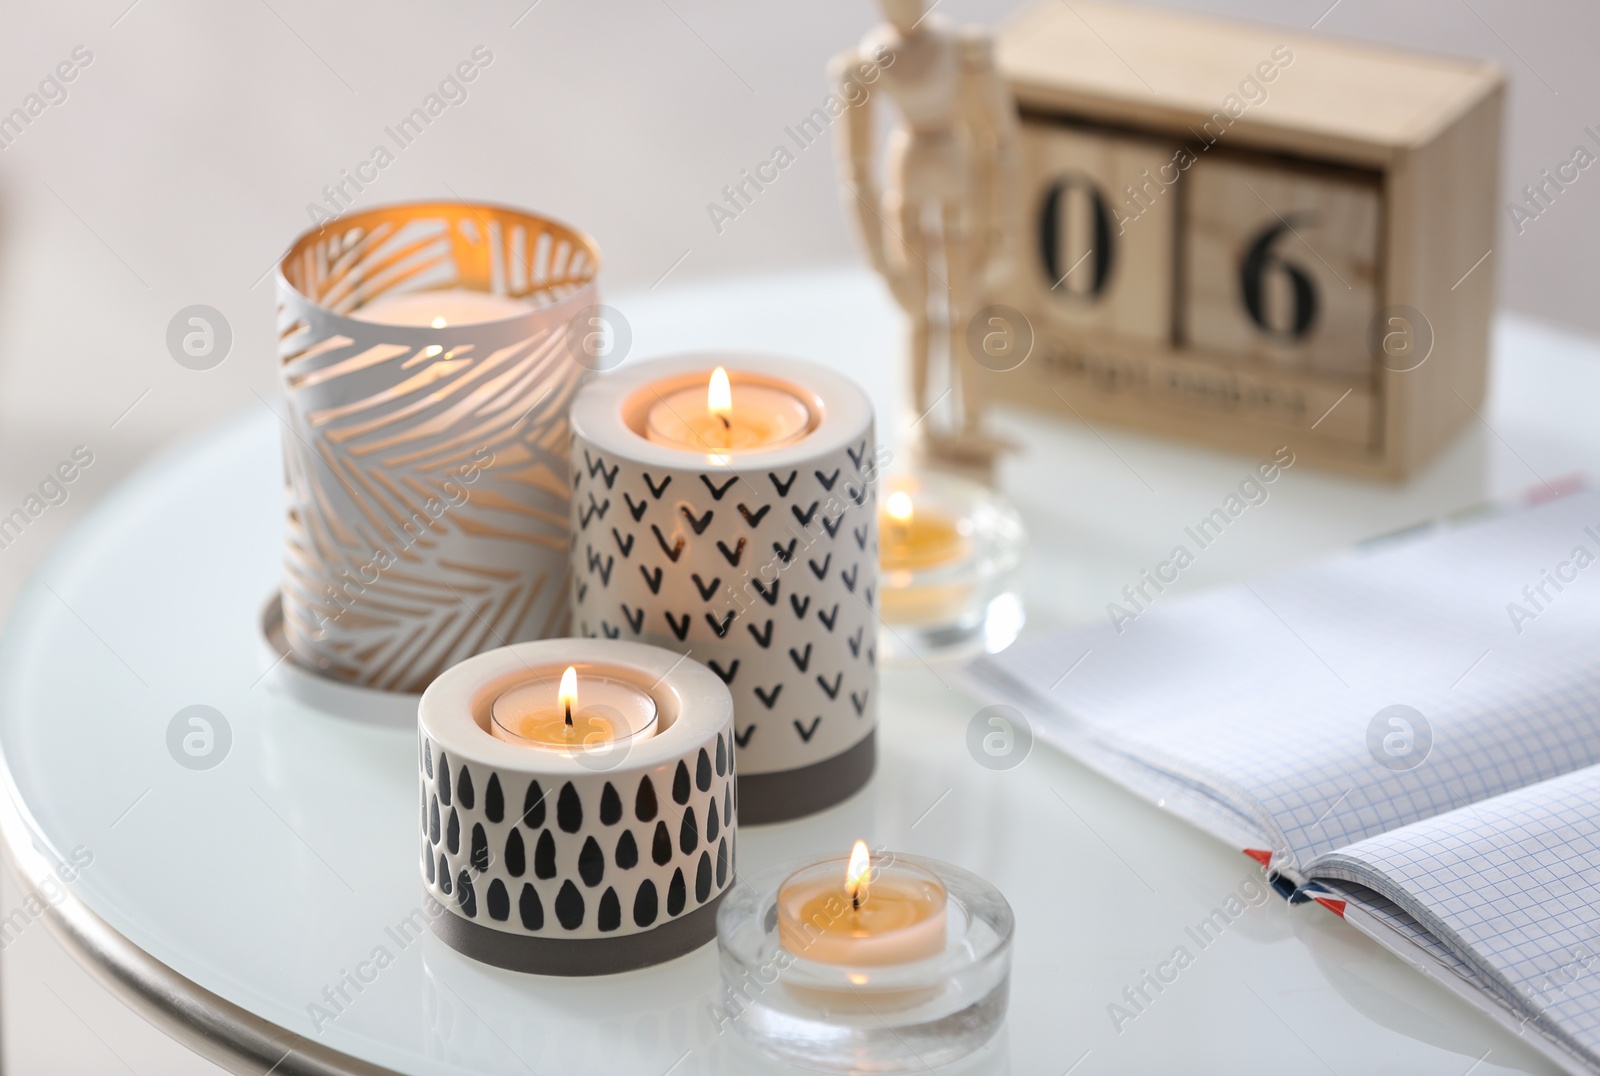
<point>941,231</point>
<point>1248,236</point>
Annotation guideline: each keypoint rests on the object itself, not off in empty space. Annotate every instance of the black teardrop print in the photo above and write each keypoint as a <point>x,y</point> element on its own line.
<point>680,784</point>
<point>544,856</point>
<point>427,859</point>
<point>499,901</point>
<point>644,804</point>
<point>569,809</point>
<point>452,833</point>
<point>722,756</point>
<point>433,820</point>
<point>494,801</point>
<point>533,806</point>
<point>569,906</point>
<point>444,779</point>
<point>480,848</point>
<point>722,863</point>
<point>444,874</point>
<point>465,895</point>
<point>530,908</point>
<point>727,803</point>
<point>516,854</point>
<point>627,851</point>
<point>591,863</point>
<point>610,806</point>
<point>702,771</point>
<point>609,917</point>
<point>644,904</point>
<point>713,827</point>
<point>702,878</point>
<point>688,832</point>
<point>465,794</point>
<point>661,846</point>
<point>677,893</point>
<point>427,757</point>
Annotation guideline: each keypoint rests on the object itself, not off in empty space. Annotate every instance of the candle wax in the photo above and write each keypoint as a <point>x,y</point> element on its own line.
<point>762,416</point>
<point>439,308</point>
<point>926,539</point>
<point>901,917</point>
<point>608,710</point>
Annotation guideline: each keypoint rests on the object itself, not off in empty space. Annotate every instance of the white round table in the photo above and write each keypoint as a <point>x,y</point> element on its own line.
<point>244,906</point>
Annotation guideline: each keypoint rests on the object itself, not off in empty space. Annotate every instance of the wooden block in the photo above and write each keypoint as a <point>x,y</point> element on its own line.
<point>1091,264</point>
<point>1281,264</point>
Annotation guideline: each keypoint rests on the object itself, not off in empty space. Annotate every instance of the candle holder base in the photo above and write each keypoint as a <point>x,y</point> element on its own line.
<point>845,1018</point>
<point>342,698</point>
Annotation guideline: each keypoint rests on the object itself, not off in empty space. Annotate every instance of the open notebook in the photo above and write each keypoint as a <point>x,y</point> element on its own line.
<point>1407,733</point>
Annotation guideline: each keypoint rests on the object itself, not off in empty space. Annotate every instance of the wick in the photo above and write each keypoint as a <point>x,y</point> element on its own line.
<point>725,423</point>
<point>855,901</point>
<point>568,708</point>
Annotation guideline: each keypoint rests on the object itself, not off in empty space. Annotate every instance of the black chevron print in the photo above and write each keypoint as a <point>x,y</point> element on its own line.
<point>670,550</point>
<point>655,490</point>
<point>857,495</point>
<point>598,467</point>
<point>801,661</point>
<point>785,555</point>
<point>804,517</point>
<point>857,457</point>
<point>626,547</point>
<point>717,493</point>
<point>706,589</point>
<point>828,480</point>
<point>868,593</point>
<point>721,628</point>
<point>604,570</point>
<point>807,733</point>
<point>821,571</point>
<point>743,738</point>
<point>832,525</point>
<point>855,644</point>
<point>635,618</point>
<point>727,674</point>
<point>860,701</point>
<point>700,524</point>
<point>849,578</point>
<point>610,632</point>
<point>733,554</point>
<point>594,510</point>
<point>861,538</point>
<point>654,582</point>
<point>799,606</point>
<point>754,518</point>
<point>831,689</point>
<point>769,596</point>
<point>764,637</point>
<point>872,655</point>
<point>782,487</point>
<point>828,618</point>
<point>769,699</point>
<point>680,630</point>
<point>636,509</point>
<point>583,591</point>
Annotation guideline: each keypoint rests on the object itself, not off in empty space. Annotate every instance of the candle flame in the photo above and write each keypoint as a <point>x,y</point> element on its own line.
<point>899,506</point>
<point>855,875</point>
<point>567,695</point>
<point>439,322</point>
<point>719,394</point>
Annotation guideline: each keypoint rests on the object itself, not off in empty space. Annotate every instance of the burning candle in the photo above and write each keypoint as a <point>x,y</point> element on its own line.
<point>440,308</point>
<point>855,912</point>
<point>730,414</point>
<point>608,711</point>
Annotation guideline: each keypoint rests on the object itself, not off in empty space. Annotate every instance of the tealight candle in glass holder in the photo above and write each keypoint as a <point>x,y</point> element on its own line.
<point>607,711</point>
<point>948,550</point>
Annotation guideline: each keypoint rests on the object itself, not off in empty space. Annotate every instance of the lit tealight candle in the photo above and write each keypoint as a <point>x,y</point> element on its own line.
<point>855,913</point>
<point>612,711</point>
<point>728,415</point>
<point>918,546</point>
<point>440,308</point>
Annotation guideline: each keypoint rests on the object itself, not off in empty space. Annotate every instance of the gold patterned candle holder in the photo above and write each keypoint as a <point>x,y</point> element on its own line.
<point>426,460</point>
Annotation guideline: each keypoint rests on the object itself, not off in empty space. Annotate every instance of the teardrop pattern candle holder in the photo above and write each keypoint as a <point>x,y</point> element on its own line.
<point>426,467</point>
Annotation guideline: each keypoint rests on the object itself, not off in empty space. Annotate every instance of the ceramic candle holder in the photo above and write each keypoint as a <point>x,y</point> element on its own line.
<point>793,992</point>
<point>761,563</point>
<point>426,466</point>
<point>580,861</point>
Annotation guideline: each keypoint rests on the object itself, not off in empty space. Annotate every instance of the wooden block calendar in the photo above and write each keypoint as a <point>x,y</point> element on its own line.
<point>1250,236</point>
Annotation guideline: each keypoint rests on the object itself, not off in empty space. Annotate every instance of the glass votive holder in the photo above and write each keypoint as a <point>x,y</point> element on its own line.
<point>870,1015</point>
<point>948,553</point>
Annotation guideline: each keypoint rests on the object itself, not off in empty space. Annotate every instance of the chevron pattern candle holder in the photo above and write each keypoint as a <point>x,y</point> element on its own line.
<point>746,537</point>
<point>598,857</point>
<point>427,365</point>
